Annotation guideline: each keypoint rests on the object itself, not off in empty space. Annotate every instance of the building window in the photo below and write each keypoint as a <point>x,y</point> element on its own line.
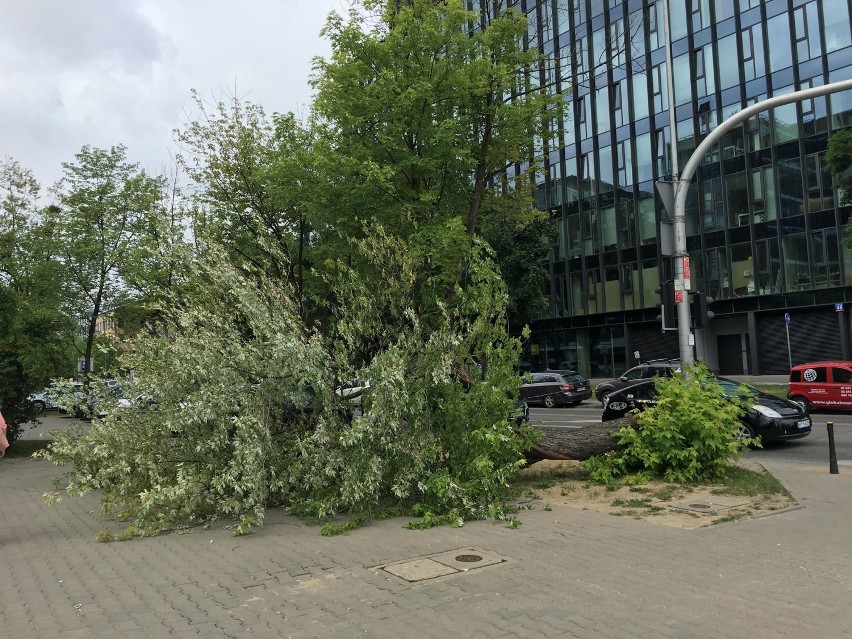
<point>826,258</point>
<point>662,153</point>
<point>659,90</point>
<point>752,57</point>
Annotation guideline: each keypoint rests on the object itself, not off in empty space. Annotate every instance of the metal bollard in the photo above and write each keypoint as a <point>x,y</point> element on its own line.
<point>832,453</point>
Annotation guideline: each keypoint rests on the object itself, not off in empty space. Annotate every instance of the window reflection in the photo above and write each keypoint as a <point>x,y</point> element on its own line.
<point>796,267</point>
<point>742,270</point>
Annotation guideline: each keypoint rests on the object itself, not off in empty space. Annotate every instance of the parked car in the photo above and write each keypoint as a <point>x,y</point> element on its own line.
<point>42,401</point>
<point>772,418</point>
<point>821,385</point>
<point>556,388</point>
<point>352,390</point>
<point>646,370</point>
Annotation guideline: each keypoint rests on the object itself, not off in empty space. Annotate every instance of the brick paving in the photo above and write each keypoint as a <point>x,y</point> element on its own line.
<point>569,573</point>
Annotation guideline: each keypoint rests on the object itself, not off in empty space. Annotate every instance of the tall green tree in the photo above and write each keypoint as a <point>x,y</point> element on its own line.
<point>104,202</point>
<point>424,112</point>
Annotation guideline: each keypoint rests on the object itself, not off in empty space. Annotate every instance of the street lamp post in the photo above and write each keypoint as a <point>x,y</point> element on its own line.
<point>682,186</point>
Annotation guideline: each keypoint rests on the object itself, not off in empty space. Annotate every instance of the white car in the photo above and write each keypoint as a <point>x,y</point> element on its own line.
<point>353,390</point>
<point>42,400</point>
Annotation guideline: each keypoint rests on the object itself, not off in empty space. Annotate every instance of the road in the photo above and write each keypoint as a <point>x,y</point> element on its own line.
<point>811,450</point>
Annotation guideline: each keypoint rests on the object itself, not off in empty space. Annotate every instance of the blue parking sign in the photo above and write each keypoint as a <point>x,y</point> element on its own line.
<point>787,318</point>
<point>838,307</point>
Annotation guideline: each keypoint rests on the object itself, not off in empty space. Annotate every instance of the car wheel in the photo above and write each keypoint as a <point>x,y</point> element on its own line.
<point>604,396</point>
<point>746,432</point>
<point>801,401</point>
<point>38,405</point>
<point>549,401</point>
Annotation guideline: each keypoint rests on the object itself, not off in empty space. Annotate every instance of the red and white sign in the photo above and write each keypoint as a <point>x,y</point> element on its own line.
<point>678,296</point>
<point>686,267</point>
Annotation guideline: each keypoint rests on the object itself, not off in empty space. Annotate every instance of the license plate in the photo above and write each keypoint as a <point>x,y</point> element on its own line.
<point>804,423</point>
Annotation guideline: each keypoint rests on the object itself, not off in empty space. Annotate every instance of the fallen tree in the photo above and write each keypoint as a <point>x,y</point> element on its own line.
<point>596,438</point>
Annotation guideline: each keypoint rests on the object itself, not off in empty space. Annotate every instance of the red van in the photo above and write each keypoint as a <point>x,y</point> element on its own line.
<point>821,385</point>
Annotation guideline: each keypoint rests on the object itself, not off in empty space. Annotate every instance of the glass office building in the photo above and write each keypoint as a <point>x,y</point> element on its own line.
<point>764,225</point>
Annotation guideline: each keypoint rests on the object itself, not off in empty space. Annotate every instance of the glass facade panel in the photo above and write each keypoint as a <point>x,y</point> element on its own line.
<point>796,267</point>
<point>806,32</point>
<point>768,267</point>
<point>841,103</point>
<point>613,289</point>
<point>640,96</point>
<point>837,32</point>
<point>717,274</point>
<point>650,282</point>
<point>644,158</point>
<point>647,220</point>
<point>778,33</point>
<point>742,270</point>
<point>608,228</point>
<point>791,196</point>
<point>724,9</point>
<point>753,62</point>
<point>826,258</point>
<point>736,195</point>
<point>682,79</point>
<point>729,69</point>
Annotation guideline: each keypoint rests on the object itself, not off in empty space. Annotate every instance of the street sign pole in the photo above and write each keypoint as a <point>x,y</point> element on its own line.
<point>787,328</point>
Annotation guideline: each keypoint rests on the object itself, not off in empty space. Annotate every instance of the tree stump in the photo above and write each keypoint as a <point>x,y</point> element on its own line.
<point>578,444</point>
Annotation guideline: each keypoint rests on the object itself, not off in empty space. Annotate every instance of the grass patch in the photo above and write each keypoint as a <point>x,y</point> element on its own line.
<point>749,483</point>
<point>667,492</point>
<point>632,503</point>
<point>24,448</point>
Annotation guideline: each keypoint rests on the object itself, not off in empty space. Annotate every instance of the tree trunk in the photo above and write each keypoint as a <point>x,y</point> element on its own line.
<point>595,439</point>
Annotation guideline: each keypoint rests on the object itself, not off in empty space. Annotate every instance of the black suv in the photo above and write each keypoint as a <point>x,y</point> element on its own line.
<point>646,370</point>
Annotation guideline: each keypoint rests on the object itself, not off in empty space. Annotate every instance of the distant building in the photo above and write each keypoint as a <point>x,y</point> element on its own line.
<point>763,223</point>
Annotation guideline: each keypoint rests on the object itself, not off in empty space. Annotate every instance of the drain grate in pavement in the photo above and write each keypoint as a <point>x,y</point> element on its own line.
<point>443,564</point>
<point>709,507</point>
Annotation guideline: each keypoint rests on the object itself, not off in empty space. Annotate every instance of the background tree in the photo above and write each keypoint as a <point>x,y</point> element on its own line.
<point>838,159</point>
<point>253,178</point>
<point>35,335</point>
<point>104,202</point>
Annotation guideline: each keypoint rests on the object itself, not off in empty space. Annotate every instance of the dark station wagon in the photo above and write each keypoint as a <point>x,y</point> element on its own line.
<point>556,388</point>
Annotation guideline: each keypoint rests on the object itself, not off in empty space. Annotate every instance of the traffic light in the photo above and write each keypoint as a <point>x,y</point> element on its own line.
<point>701,316</point>
<point>667,304</point>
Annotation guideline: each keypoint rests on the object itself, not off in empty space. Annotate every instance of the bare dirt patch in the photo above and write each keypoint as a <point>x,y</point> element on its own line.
<point>566,483</point>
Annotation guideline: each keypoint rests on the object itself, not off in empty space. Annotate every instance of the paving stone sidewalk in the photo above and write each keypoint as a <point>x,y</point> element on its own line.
<point>567,573</point>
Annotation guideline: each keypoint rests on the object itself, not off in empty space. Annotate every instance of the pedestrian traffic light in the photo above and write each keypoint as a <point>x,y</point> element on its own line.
<point>701,315</point>
<point>667,305</point>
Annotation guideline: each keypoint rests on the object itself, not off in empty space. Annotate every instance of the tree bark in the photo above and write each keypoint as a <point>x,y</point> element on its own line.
<point>596,438</point>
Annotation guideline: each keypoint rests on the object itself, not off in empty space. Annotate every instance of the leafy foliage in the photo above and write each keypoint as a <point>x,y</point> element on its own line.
<point>690,435</point>
<point>246,416</point>
<point>347,248</point>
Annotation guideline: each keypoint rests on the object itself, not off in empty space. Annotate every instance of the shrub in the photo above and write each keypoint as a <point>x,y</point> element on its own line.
<point>690,435</point>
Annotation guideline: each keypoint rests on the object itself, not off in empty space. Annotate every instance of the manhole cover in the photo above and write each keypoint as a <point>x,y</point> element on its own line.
<point>460,560</point>
<point>468,558</point>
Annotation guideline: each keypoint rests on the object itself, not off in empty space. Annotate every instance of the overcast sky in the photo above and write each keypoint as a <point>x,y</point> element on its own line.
<point>104,72</point>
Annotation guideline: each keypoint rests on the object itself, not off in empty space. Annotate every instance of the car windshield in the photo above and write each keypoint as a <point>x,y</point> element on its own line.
<point>730,388</point>
<point>577,378</point>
